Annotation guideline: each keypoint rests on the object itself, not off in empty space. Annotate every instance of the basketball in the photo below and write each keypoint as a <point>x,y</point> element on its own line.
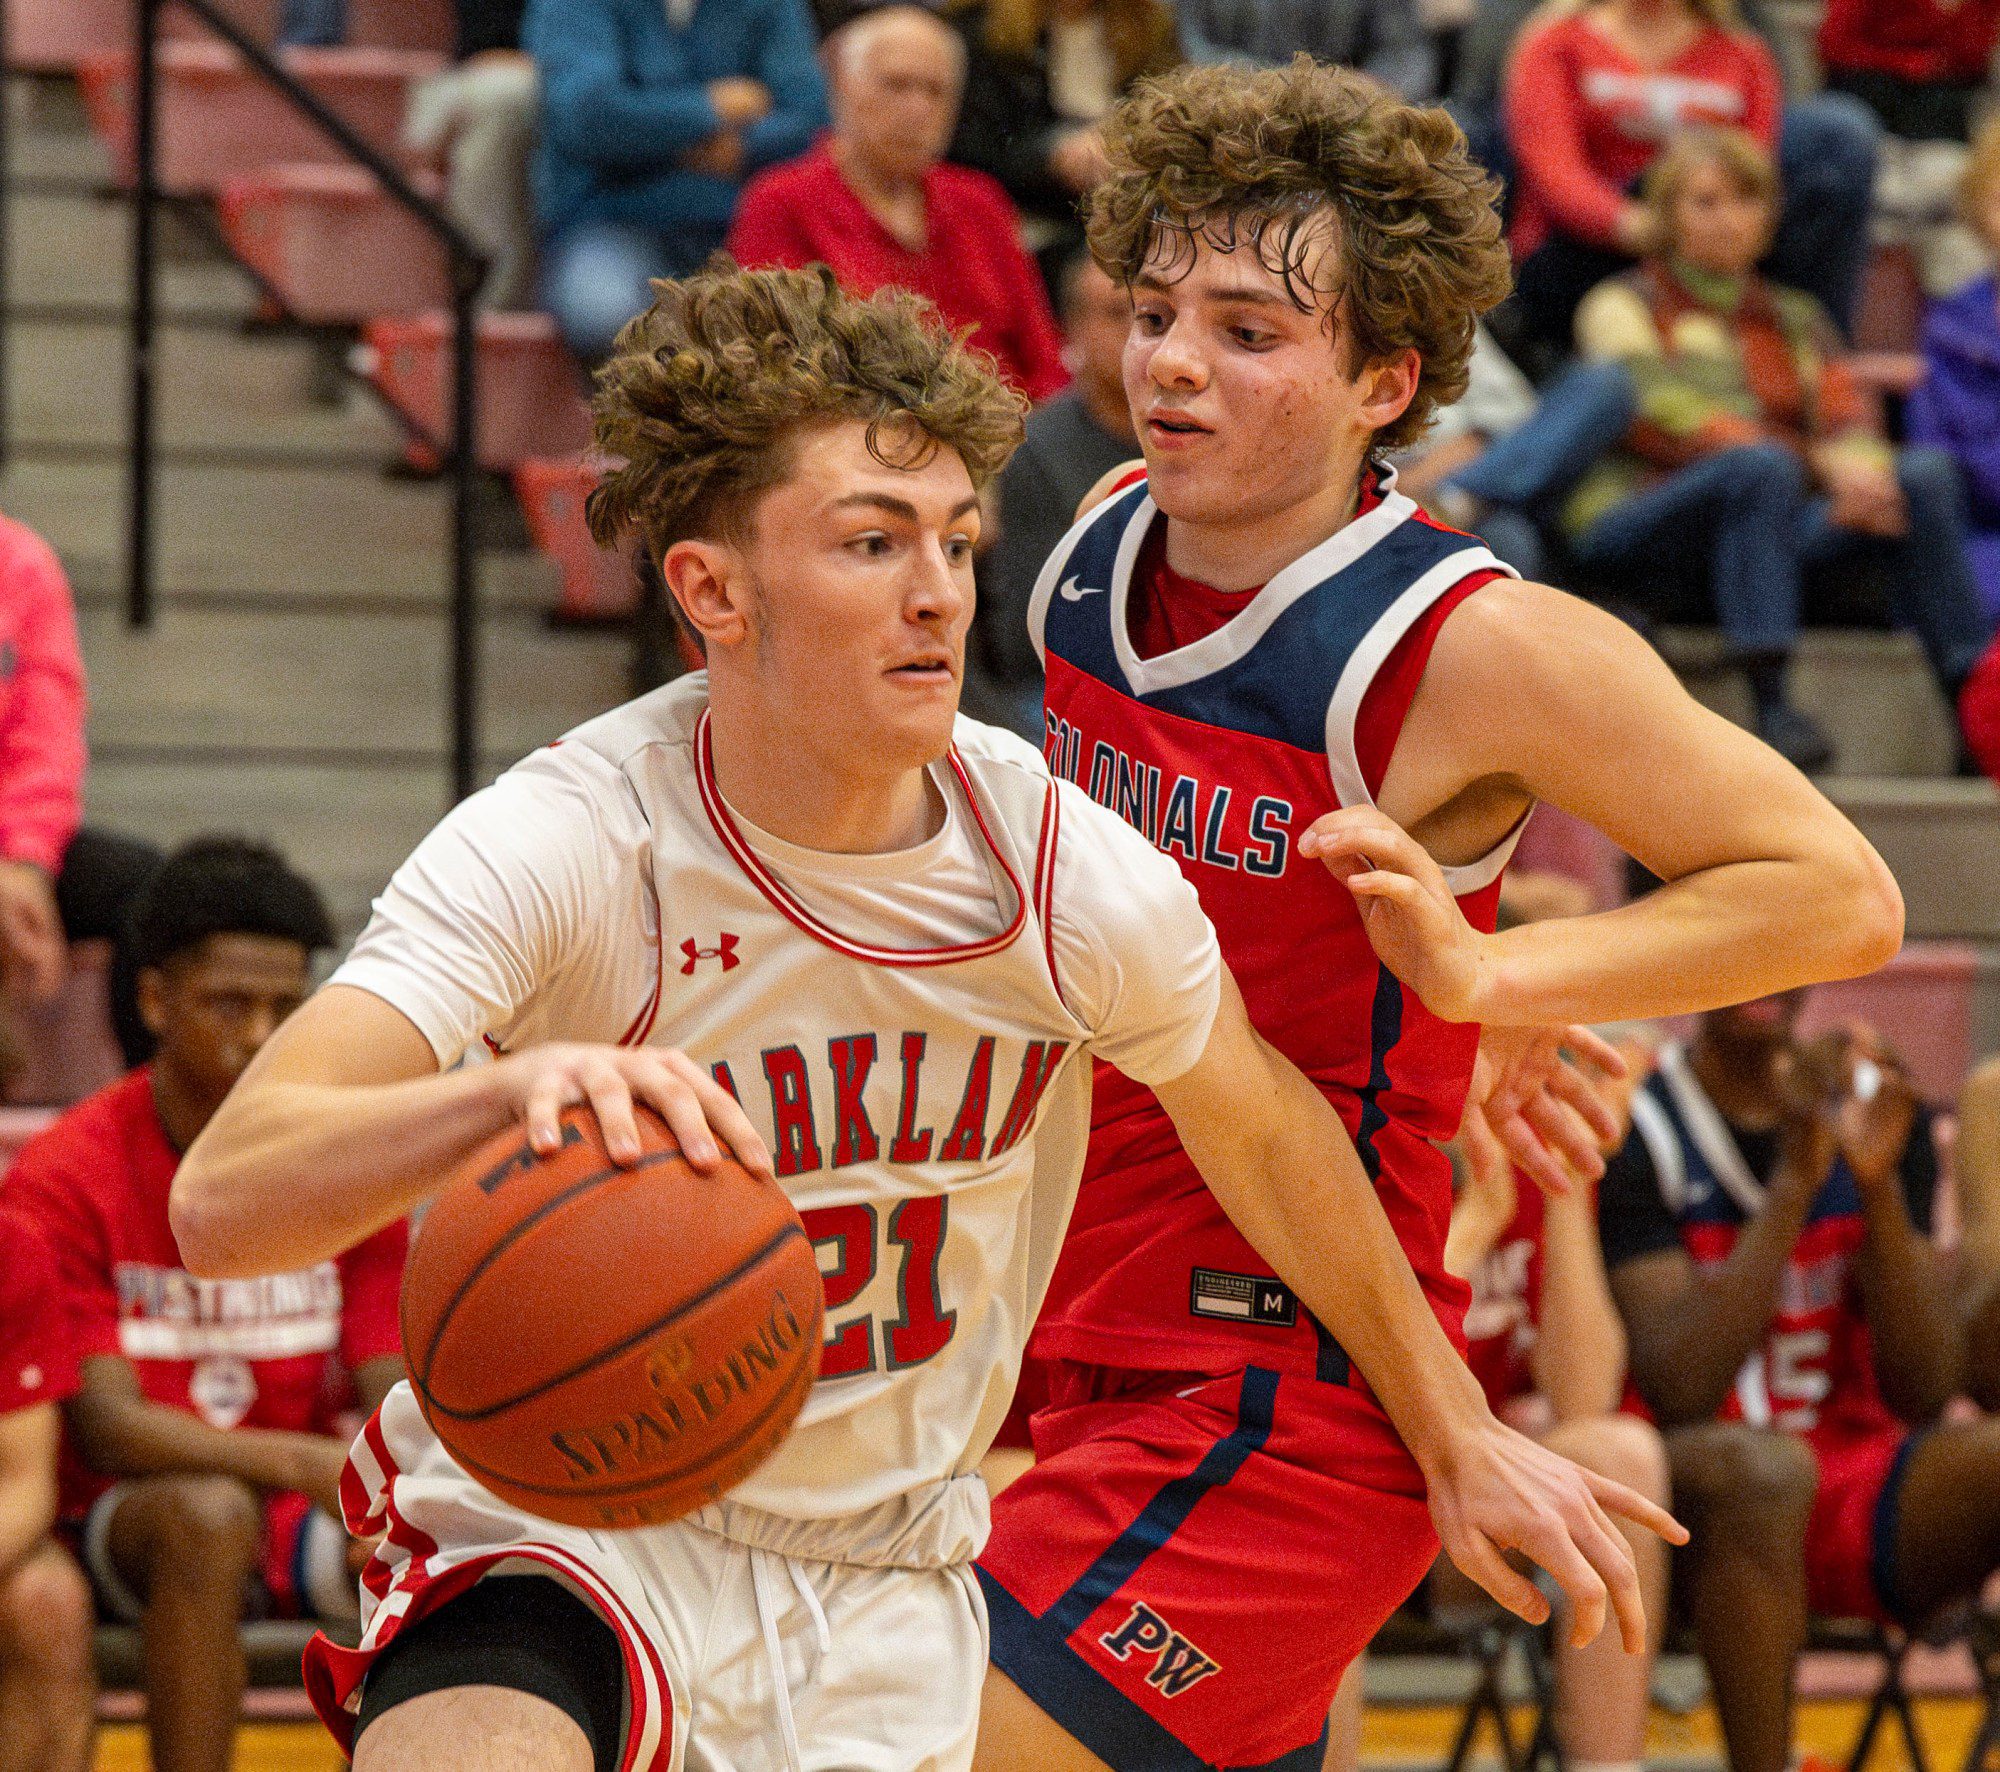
<point>609,1346</point>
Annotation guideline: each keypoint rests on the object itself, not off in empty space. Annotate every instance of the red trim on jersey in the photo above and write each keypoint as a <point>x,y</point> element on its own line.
<point>1385,703</point>
<point>1045,884</point>
<point>794,912</point>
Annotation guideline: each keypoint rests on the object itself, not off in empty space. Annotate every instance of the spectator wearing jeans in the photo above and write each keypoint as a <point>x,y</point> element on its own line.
<point>479,117</point>
<point>1040,77</point>
<point>1072,443</point>
<point>654,112</point>
<point>1595,93</point>
<point>203,1460</point>
<point>1503,457</point>
<point>1385,38</point>
<point>47,1680</point>
<point>875,202</point>
<point>1755,456</point>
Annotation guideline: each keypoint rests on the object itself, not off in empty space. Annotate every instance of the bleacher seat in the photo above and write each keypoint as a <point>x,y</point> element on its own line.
<point>1556,843</point>
<point>219,120</point>
<point>597,583</point>
<point>333,246</point>
<point>530,394</point>
<point>55,36</point>
<point>1921,1003</point>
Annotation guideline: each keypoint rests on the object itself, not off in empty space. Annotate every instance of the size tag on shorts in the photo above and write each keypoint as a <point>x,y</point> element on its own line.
<point>1241,1298</point>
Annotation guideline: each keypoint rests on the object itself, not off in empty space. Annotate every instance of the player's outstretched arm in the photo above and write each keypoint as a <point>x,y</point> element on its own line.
<point>1768,886</point>
<point>1278,1159</point>
<point>344,1124</point>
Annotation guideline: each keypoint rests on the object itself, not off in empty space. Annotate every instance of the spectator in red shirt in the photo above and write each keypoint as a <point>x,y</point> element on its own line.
<point>47,1685</point>
<point>202,1461</point>
<point>876,201</point>
<point>1593,95</point>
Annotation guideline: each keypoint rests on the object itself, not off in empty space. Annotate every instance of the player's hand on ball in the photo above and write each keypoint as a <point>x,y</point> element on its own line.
<point>1547,1101</point>
<point>1412,921</point>
<point>544,1080</point>
<point>1499,1491</point>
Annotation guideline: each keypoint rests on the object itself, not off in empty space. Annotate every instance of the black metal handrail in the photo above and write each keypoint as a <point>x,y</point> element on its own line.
<point>468,270</point>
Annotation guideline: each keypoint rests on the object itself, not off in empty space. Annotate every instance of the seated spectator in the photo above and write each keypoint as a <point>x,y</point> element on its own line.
<point>201,1462</point>
<point>1755,455</point>
<point>1977,1172</point>
<point>1072,443</point>
<point>654,112</point>
<point>1040,77</point>
<point>1502,459</point>
<point>1385,38</point>
<point>48,1684</point>
<point>479,117</point>
<point>58,884</point>
<point>875,202</point>
<point>1766,1231</point>
<point>1956,407</point>
<point>1594,94</point>
<point>1922,67</point>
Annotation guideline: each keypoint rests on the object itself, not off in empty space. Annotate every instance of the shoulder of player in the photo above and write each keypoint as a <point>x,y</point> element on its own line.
<point>1514,632</point>
<point>1109,484</point>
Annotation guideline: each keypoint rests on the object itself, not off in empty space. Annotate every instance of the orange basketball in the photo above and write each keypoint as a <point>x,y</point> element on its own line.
<point>607,1346</point>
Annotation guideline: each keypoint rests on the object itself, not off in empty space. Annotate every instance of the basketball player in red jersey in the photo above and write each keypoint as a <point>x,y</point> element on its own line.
<point>1335,714</point>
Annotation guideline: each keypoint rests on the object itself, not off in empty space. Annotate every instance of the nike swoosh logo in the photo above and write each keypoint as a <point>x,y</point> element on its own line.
<point>1072,592</point>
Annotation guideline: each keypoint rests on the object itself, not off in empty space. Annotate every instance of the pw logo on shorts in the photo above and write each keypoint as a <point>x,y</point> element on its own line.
<point>724,950</point>
<point>1177,1663</point>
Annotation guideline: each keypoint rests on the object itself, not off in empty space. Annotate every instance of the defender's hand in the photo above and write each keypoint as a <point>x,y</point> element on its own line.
<point>540,1082</point>
<point>1412,921</point>
<point>1548,1101</point>
<point>1498,1491</point>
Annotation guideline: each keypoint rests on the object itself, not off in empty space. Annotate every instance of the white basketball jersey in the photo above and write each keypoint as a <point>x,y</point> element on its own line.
<point>910,1032</point>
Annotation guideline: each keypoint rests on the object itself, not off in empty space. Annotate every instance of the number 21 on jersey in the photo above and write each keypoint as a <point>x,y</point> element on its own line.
<point>852,1247</point>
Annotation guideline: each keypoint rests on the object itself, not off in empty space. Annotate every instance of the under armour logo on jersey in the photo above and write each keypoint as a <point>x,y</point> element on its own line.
<point>1177,1663</point>
<point>724,950</point>
<point>1072,592</point>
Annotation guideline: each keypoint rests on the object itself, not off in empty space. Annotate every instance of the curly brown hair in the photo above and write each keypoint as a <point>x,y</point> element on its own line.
<point>706,390</point>
<point>1265,156</point>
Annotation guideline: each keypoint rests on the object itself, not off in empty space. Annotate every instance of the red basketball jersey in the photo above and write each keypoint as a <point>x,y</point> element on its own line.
<point>1504,1318</point>
<point>1222,751</point>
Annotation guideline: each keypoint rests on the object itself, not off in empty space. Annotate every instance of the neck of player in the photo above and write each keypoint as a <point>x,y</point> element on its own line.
<point>801,793</point>
<point>1238,550</point>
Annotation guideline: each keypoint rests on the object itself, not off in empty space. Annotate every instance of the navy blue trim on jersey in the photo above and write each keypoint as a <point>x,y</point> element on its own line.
<point>1882,1533</point>
<point>1167,1512</point>
<point>1031,1652</point>
<point>1708,1201</point>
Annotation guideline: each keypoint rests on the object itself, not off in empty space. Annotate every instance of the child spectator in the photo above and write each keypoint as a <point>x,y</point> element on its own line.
<point>1766,1232</point>
<point>201,1460</point>
<point>654,112</point>
<point>1385,38</point>
<point>1956,407</point>
<point>47,1682</point>
<point>1040,77</point>
<point>1072,442</point>
<point>875,202</point>
<point>1755,455</point>
<point>1596,92</point>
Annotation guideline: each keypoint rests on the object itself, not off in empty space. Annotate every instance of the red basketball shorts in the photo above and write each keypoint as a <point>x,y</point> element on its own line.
<point>1851,1535</point>
<point>1193,1562</point>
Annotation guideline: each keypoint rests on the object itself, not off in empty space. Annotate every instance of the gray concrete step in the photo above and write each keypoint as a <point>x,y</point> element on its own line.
<point>1941,840</point>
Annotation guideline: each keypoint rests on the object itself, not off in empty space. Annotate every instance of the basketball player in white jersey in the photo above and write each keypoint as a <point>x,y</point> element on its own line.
<point>799,881</point>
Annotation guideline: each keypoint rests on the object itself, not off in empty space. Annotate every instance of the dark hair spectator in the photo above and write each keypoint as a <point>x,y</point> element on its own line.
<point>1756,455</point>
<point>654,112</point>
<point>877,204</point>
<point>1793,1330</point>
<point>1956,407</point>
<point>48,1685</point>
<point>1595,91</point>
<point>478,117</point>
<point>1384,38</point>
<point>1040,76</point>
<point>1504,456</point>
<point>1072,443</point>
<point>204,1450</point>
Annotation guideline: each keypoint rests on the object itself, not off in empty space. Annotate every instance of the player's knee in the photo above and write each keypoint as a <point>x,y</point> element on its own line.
<point>46,1620</point>
<point>1623,1448</point>
<point>209,1526</point>
<point>513,1729</point>
<point>1755,1479</point>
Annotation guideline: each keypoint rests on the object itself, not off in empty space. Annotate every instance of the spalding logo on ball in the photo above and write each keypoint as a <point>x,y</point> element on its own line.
<point>610,1346</point>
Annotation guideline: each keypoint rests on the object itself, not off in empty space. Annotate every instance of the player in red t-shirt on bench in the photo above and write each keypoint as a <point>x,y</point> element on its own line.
<point>201,1463</point>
